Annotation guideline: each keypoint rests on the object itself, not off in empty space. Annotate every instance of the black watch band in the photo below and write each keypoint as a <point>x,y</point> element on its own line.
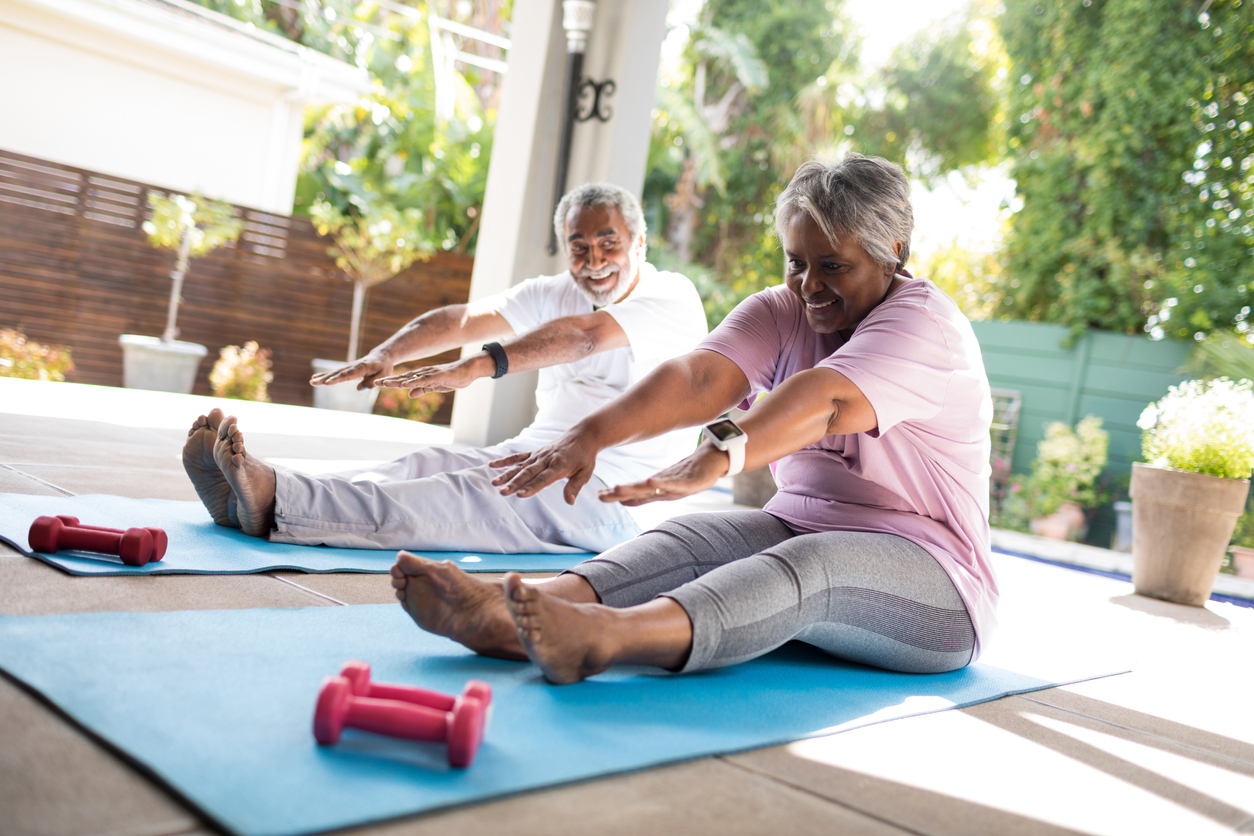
<point>498,354</point>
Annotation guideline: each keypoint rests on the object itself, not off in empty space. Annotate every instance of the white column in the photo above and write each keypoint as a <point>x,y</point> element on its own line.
<point>625,45</point>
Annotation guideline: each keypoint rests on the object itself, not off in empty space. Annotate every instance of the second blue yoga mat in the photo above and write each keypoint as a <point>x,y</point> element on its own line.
<point>219,704</point>
<point>198,547</point>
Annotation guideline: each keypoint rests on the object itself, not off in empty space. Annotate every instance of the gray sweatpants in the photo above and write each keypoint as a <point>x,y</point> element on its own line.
<point>749,584</point>
<point>442,499</point>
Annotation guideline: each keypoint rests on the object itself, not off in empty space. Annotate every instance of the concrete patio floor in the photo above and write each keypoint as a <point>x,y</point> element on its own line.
<point>1166,749</point>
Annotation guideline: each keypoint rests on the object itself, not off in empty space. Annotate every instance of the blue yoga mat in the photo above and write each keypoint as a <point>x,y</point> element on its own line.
<point>218,705</point>
<point>199,547</point>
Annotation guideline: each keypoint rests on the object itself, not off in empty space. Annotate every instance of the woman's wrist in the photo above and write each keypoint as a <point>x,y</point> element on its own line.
<point>719,460</point>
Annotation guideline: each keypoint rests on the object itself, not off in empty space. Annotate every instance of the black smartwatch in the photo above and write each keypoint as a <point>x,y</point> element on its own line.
<point>498,355</point>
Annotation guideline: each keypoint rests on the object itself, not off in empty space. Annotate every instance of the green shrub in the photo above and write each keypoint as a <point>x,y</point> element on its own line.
<point>397,403</point>
<point>22,358</point>
<point>242,373</point>
<point>1067,466</point>
<point>1203,427</point>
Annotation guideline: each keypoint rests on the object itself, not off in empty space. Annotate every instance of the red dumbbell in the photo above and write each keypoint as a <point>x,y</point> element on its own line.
<point>358,674</point>
<point>461,729</point>
<point>159,539</point>
<point>49,534</point>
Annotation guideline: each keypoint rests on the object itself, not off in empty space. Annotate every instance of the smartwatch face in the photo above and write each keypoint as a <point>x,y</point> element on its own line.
<point>723,430</point>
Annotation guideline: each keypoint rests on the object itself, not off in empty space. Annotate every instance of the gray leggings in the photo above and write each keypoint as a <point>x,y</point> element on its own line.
<point>749,584</point>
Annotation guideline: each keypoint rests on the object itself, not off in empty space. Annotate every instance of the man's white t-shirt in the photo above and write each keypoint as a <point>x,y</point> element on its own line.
<point>663,319</point>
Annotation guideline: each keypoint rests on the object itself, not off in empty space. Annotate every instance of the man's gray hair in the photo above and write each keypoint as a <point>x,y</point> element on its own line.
<point>863,198</point>
<point>600,194</point>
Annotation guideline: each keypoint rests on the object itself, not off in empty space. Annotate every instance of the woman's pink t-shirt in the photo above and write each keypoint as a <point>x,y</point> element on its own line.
<point>923,473</point>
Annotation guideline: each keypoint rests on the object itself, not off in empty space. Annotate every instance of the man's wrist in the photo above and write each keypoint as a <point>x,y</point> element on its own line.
<point>482,365</point>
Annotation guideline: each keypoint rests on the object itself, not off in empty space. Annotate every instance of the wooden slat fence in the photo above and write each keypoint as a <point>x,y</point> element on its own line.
<point>76,269</point>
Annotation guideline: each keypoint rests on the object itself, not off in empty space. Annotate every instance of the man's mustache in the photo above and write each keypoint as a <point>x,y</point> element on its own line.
<point>608,270</point>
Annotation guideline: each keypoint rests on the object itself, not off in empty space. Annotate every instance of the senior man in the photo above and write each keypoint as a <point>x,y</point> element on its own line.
<point>592,331</point>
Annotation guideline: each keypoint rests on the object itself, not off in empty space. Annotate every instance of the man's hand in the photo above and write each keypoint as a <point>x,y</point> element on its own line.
<point>445,377</point>
<point>369,368</point>
<point>684,478</point>
<point>571,457</point>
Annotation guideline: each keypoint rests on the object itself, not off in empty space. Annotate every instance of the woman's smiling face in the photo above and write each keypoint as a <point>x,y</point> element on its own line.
<point>837,285</point>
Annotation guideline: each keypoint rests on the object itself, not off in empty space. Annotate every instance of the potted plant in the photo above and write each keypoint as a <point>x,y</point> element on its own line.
<point>193,227</point>
<point>371,247</point>
<point>1063,486</point>
<point>1242,546</point>
<point>29,360</point>
<point>1199,444</point>
<point>242,373</point>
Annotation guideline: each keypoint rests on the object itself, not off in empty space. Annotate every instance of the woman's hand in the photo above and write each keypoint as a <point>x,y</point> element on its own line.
<point>369,368</point>
<point>572,457</point>
<point>684,478</point>
<point>442,378</point>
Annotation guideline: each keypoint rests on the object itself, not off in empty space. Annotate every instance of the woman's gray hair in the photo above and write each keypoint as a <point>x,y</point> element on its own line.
<point>600,194</point>
<point>863,198</point>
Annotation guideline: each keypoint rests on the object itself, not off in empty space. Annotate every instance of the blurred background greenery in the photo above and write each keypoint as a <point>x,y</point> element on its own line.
<point>1114,135</point>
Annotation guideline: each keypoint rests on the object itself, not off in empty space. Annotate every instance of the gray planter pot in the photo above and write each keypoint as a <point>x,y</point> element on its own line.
<point>1181,525</point>
<point>342,396</point>
<point>149,363</point>
<point>753,487</point>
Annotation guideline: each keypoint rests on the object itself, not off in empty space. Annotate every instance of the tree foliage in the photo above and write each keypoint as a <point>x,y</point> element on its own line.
<point>392,145</point>
<point>1132,145</point>
<point>764,86</point>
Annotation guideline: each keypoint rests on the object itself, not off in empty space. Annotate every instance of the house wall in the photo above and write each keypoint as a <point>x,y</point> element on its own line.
<point>161,94</point>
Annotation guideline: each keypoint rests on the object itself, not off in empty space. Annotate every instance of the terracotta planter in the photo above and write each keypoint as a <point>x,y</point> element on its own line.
<point>1181,525</point>
<point>1243,561</point>
<point>342,396</point>
<point>1067,523</point>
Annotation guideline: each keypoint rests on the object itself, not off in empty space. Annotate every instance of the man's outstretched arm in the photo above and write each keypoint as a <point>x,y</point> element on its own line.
<point>435,331</point>
<point>562,340</point>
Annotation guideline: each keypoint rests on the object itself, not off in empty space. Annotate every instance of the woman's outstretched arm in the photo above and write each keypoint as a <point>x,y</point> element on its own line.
<point>797,413</point>
<point>685,392</point>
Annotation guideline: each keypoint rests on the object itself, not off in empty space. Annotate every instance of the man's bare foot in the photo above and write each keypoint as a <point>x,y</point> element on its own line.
<point>565,639</point>
<point>444,600</point>
<point>251,480</point>
<point>211,486</point>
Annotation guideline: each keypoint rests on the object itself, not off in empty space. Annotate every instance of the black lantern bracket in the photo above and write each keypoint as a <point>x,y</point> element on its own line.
<point>591,95</point>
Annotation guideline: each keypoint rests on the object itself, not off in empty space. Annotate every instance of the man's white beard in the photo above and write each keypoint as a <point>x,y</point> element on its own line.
<point>600,299</point>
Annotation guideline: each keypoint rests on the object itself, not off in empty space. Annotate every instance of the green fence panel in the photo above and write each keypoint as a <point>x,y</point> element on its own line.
<point>1112,376</point>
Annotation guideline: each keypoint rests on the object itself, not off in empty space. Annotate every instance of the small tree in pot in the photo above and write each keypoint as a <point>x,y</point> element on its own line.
<point>193,227</point>
<point>1199,443</point>
<point>370,247</point>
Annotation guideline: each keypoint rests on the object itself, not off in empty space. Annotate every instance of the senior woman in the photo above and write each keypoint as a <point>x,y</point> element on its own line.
<point>875,548</point>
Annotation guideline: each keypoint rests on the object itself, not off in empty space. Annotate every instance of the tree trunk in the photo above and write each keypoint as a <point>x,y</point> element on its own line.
<point>176,287</point>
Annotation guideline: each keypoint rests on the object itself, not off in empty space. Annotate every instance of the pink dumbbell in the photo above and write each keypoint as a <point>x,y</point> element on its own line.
<point>159,539</point>
<point>358,673</point>
<point>134,546</point>
<point>461,728</point>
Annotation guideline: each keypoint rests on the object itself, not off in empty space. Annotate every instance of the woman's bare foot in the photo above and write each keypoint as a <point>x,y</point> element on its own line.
<point>251,480</point>
<point>565,639</point>
<point>444,600</point>
<point>211,486</point>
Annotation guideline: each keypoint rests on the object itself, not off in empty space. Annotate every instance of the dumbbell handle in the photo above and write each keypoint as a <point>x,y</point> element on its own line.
<point>72,522</point>
<point>158,535</point>
<point>417,696</point>
<point>90,540</point>
<point>396,719</point>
